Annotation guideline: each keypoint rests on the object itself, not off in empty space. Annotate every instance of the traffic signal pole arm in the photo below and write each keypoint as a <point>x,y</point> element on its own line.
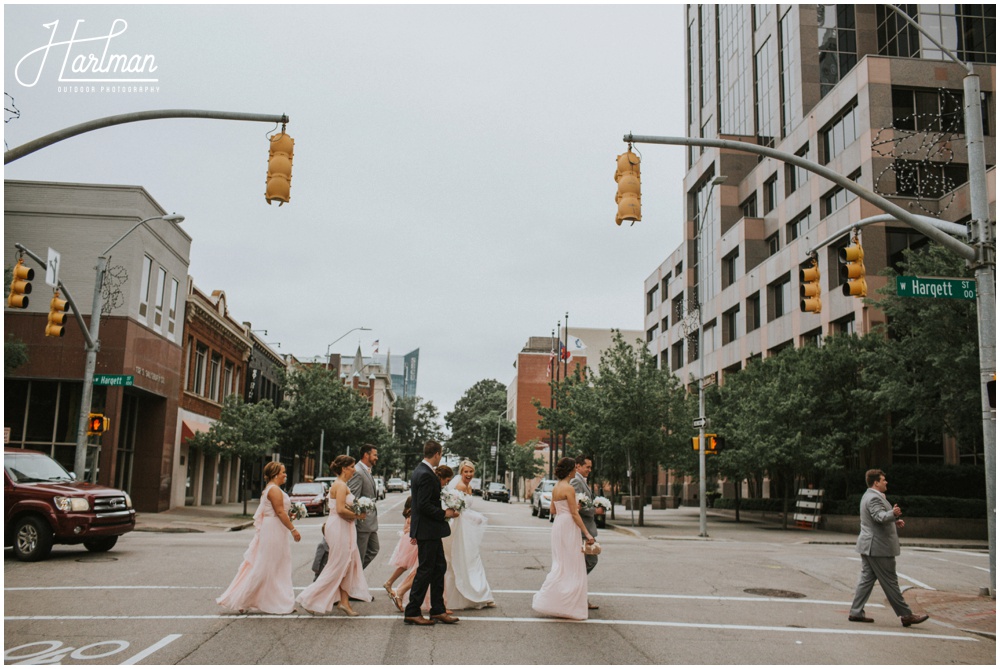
<point>118,119</point>
<point>91,344</point>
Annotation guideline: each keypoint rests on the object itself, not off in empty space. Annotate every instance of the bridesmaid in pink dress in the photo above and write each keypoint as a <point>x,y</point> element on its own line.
<point>263,582</point>
<point>404,558</point>
<point>564,592</point>
<point>342,577</point>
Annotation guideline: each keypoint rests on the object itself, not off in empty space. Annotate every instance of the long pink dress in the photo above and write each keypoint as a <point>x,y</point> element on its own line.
<point>405,554</point>
<point>343,568</point>
<point>564,592</point>
<point>263,582</point>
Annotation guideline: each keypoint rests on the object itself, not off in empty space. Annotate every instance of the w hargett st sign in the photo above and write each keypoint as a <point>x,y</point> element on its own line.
<point>114,380</point>
<point>921,286</point>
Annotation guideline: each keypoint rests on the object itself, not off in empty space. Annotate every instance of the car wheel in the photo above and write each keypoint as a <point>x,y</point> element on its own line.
<point>534,511</point>
<point>32,539</point>
<point>102,545</point>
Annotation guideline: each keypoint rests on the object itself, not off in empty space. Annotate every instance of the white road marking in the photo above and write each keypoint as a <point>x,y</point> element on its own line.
<point>961,564</point>
<point>152,649</point>
<point>500,619</point>
<point>903,576</point>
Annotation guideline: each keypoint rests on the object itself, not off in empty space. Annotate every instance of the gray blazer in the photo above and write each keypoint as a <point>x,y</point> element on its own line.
<point>878,536</point>
<point>362,484</point>
<point>586,515</point>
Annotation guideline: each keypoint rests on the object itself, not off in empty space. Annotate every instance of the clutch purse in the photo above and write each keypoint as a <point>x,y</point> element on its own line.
<point>592,549</point>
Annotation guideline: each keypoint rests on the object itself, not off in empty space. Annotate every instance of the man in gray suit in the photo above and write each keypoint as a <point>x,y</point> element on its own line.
<point>362,484</point>
<point>583,466</point>
<point>878,544</point>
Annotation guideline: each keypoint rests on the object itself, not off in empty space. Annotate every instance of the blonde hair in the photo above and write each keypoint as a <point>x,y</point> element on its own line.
<point>272,469</point>
<point>466,463</point>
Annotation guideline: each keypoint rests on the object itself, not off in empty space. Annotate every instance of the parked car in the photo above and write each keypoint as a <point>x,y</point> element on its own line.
<point>46,505</point>
<point>379,488</point>
<point>327,481</point>
<point>396,484</point>
<point>497,492</point>
<point>476,485</point>
<point>541,498</point>
<point>313,496</point>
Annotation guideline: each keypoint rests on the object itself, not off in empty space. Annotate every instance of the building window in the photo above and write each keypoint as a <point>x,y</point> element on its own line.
<point>677,307</point>
<point>770,194</point>
<point>969,30</point>
<point>749,206</point>
<point>813,338</point>
<point>652,333</point>
<point>729,268</point>
<point>664,284</point>
<point>730,325</point>
<point>837,197</point>
<point>200,360</point>
<point>839,133</point>
<point>791,91</point>
<point>677,356</point>
<point>896,37</point>
<point>933,110</point>
<point>161,288</point>
<point>652,298</point>
<point>779,298</point>
<point>215,377</point>
<point>837,44</point>
<point>227,382</point>
<point>844,326</point>
<point>795,176</point>
<point>147,269</point>
<point>920,179</point>
<point>708,337</point>
<point>678,269</point>
<point>766,88</point>
<point>760,12</point>
<point>735,70</point>
<point>798,225</point>
<point>753,312</point>
<point>773,244</point>
<point>693,351</point>
<point>664,361</point>
<point>665,324</point>
<point>172,314</point>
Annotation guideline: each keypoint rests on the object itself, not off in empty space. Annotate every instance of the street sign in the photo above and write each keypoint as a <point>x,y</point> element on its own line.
<point>922,286</point>
<point>114,380</point>
<point>700,422</point>
<point>52,269</point>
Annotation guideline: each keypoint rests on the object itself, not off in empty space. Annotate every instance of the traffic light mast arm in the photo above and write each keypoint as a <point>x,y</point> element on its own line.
<point>915,222</point>
<point>91,342</point>
<point>108,121</point>
<point>946,226</point>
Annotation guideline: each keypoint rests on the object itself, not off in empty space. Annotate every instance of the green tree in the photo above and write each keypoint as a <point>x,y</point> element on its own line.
<point>244,431</point>
<point>521,463</point>
<point>416,423</point>
<point>474,422</point>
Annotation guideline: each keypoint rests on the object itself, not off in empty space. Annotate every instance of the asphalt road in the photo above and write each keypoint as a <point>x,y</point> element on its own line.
<point>767,599</point>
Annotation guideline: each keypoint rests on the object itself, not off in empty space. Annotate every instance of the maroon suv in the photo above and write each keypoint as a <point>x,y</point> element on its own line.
<point>44,505</point>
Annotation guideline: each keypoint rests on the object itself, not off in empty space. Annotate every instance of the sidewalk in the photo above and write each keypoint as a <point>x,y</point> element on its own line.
<point>965,611</point>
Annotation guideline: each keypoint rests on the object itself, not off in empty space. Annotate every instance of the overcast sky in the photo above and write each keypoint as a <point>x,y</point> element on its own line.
<point>453,182</point>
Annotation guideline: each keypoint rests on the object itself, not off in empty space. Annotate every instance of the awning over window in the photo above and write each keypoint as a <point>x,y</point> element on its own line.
<point>190,427</point>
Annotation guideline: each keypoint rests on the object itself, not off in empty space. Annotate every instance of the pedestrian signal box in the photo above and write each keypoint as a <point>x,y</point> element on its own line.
<point>713,441</point>
<point>97,424</point>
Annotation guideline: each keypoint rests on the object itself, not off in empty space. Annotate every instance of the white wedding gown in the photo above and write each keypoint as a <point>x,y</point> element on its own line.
<point>465,585</point>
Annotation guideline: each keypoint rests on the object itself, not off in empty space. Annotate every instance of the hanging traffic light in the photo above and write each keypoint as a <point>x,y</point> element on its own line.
<point>852,269</point>
<point>20,285</point>
<point>279,168</point>
<point>57,317</point>
<point>629,196</point>
<point>97,424</point>
<point>809,288</point>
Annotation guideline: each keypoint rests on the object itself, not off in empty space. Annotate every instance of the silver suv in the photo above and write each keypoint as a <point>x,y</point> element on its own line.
<point>541,498</point>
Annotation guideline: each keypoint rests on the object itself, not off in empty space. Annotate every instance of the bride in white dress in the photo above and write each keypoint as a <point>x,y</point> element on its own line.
<point>465,585</point>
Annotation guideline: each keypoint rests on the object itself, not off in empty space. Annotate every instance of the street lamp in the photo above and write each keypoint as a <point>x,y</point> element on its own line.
<point>94,345</point>
<point>338,339</point>
<point>692,322</point>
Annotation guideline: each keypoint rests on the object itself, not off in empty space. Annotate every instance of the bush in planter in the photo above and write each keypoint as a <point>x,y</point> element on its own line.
<point>749,504</point>
<point>916,506</point>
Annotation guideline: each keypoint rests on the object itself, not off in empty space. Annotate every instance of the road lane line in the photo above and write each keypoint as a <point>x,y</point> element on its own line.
<point>915,581</point>
<point>503,619</point>
<point>152,649</point>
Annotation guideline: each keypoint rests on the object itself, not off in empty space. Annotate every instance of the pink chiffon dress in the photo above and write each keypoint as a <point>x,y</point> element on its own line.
<point>343,568</point>
<point>263,582</point>
<point>564,592</point>
<point>405,554</point>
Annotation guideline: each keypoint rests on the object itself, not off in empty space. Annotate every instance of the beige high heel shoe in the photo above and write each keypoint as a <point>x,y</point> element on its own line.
<point>348,610</point>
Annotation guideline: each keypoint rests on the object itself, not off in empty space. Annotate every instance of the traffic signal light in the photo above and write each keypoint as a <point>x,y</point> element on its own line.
<point>852,269</point>
<point>97,424</point>
<point>809,288</point>
<point>714,443</point>
<point>20,285</point>
<point>57,317</point>
<point>629,197</point>
<point>279,168</point>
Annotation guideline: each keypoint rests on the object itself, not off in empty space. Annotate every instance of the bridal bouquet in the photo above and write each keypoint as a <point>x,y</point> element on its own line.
<point>603,502</point>
<point>298,511</point>
<point>363,505</point>
<point>452,500</point>
<point>584,501</point>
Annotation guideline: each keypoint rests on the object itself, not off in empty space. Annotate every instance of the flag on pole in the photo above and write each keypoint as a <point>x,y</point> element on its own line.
<point>375,346</point>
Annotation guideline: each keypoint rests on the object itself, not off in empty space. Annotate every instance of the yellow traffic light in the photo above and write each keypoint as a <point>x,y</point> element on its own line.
<point>20,285</point>
<point>97,424</point>
<point>713,441</point>
<point>852,269</point>
<point>279,168</point>
<point>809,288</point>
<point>629,196</point>
<point>57,317</point>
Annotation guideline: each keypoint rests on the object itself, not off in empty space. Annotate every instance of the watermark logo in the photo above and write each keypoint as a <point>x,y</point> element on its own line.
<point>89,64</point>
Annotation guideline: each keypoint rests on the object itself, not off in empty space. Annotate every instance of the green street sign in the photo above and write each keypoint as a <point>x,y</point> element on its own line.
<point>922,286</point>
<point>113,380</point>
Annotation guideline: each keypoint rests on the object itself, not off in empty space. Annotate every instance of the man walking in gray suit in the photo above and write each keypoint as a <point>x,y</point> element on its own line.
<point>878,544</point>
<point>583,466</point>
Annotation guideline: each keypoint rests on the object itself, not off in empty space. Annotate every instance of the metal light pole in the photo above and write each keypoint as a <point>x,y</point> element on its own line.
<point>338,339</point>
<point>94,345</point>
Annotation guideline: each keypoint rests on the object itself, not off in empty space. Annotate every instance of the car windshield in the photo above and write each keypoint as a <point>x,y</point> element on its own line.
<point>308,489</point>
<point>33,467</point>
<point>547,486</point>
<point>395,480</point>
<point>496,486</point>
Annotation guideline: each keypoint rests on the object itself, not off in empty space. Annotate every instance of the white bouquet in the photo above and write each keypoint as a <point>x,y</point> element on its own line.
<point>298,511</point>
<point>451,499</point>
<point>584,501</point>
<point>363,505</point>
<point>603,502</point>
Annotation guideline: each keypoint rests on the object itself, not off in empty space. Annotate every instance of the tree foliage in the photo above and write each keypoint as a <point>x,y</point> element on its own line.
<point>476,421</point>
<point>416,422</point>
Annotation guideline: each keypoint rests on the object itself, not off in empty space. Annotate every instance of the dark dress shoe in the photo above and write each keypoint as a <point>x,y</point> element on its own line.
<point>860,619</point>
<point>913,620</point>
<point>444,618</point>
<point>417,620</point>
<point>592,607</point>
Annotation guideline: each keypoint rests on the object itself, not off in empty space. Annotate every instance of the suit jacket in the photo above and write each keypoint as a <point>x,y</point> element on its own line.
<point>586,515</point>
<point>878,536</point>
<point>427,520</point>
<point>362,484</point>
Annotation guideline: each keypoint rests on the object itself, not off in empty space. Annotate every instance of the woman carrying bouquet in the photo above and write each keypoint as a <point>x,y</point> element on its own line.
<point>465,584</point>
<point>263,582</point>
<point>342,577</point>
<point>564,592</point>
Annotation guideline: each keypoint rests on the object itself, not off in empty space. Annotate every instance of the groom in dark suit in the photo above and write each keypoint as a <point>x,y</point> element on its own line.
<point>428,525</point>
